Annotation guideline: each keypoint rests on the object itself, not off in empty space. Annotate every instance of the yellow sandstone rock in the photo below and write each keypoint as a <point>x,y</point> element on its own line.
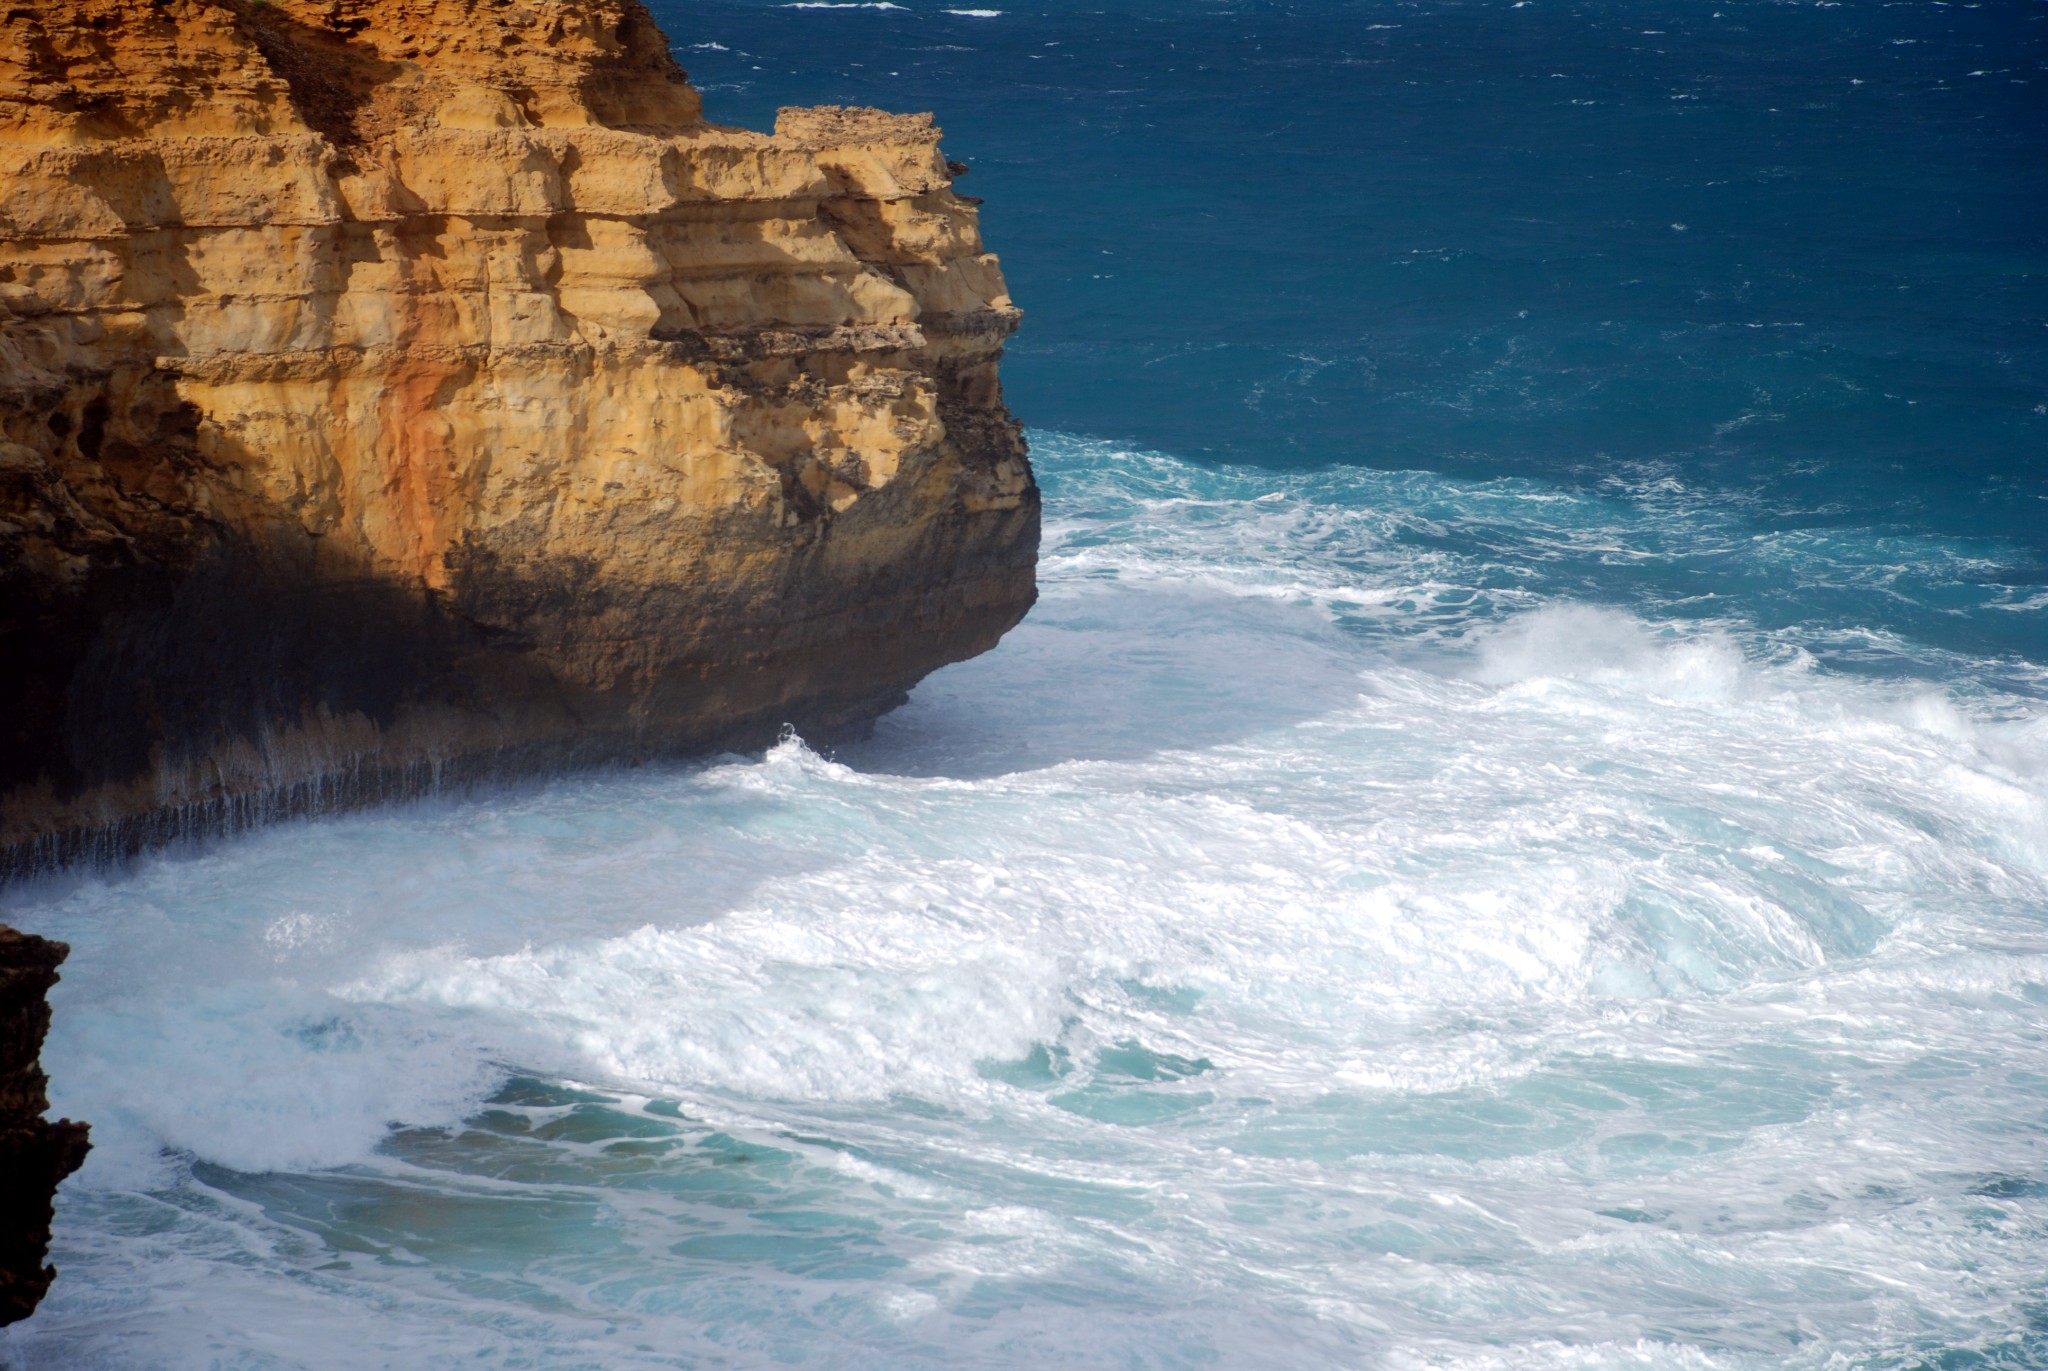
<point>398,389</point>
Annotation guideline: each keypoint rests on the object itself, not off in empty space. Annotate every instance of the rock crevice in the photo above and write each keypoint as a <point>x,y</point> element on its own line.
<point>393,390</point>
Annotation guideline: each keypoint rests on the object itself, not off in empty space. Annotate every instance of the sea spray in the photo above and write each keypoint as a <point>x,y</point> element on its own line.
<point>1303,942</point>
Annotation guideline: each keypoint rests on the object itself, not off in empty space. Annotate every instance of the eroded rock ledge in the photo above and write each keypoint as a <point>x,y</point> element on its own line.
<point>396,389</point>
<point>35,1154</point>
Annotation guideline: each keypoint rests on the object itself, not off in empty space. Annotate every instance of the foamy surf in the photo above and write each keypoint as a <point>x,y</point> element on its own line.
<point>1319,936</point>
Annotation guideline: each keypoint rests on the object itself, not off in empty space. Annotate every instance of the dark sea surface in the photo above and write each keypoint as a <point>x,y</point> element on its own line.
<point>1516,836</point>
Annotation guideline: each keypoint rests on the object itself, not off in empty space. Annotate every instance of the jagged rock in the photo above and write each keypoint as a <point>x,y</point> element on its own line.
<point>400,389</point>
<point>35,1154</point>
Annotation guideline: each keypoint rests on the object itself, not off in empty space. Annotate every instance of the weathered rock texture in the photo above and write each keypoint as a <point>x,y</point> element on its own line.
<point>35,1154</point>
<point>397,387</point>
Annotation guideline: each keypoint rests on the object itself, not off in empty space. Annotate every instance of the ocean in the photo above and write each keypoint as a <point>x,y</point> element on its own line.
<point>1515,837</point>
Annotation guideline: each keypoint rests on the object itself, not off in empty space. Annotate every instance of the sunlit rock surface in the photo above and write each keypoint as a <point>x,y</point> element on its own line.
<point>399,389</point>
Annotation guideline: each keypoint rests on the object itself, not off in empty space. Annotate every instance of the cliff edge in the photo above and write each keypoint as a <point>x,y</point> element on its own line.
<point>35,1154</point>
<point>393,390</point>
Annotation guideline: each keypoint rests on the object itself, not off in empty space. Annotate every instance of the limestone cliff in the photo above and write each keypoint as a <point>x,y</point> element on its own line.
<point>35,1154</point>
<point>398,388</point>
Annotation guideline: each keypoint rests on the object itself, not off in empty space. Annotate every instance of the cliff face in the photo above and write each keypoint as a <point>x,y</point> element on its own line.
<point>34,1153</point>
<point>392,387</point>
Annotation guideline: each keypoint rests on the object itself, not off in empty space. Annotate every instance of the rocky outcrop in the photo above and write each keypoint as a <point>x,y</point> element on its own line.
<point>393,390</point>
<point>35,1154</point>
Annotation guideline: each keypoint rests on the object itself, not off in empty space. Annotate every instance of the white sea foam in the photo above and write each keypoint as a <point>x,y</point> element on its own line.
<point>1306,940</point>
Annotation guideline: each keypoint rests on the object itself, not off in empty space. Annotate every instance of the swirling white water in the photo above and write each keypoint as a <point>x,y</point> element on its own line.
<point>1323,935</point>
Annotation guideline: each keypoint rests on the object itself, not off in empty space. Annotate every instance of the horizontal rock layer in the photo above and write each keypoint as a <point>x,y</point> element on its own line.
<point>398,389</point>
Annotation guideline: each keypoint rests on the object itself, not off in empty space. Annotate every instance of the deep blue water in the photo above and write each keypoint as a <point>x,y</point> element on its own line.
<point>1516,836</point>
<point>1788,255</point>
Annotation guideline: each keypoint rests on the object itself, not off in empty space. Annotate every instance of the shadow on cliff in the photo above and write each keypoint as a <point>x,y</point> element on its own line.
<point>170,704</point>
<point>166,702</point>
<point>332,80</point>
<point>1115,672</point>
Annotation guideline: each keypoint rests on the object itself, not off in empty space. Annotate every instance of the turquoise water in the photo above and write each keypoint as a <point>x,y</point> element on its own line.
<point>1509,841</point>
<point>1313,939</point>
